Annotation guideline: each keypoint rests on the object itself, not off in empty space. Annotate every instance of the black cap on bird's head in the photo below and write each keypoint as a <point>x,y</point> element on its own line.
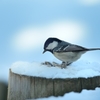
<point>50,44</point>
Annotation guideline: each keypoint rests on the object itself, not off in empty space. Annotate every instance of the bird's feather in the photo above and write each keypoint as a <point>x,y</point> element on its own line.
<point>67,47</point>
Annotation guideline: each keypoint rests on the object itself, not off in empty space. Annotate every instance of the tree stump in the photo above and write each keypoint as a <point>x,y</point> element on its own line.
<point>23,87</point>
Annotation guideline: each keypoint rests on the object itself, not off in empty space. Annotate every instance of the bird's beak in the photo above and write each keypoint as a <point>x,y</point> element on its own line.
<point>44,51</point>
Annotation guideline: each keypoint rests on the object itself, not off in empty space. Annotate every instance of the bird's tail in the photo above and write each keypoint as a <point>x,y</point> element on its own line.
<point>93,49</point>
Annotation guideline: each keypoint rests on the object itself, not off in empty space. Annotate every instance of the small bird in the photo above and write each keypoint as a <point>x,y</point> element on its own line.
<point>65,51</point>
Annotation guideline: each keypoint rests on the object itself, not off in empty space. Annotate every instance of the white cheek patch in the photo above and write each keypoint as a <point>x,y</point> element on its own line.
<point>52,45</point>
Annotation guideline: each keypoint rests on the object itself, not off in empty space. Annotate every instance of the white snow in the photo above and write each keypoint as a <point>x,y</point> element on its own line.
<point>78,69</point>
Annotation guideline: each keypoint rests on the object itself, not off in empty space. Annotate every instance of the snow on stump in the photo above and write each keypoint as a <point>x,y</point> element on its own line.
<point>33,80</point>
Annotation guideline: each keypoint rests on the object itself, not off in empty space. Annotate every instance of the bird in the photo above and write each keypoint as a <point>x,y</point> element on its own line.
<point>65,51</point>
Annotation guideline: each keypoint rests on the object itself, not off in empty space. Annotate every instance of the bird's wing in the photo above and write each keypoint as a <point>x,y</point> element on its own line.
<point>70,48</point>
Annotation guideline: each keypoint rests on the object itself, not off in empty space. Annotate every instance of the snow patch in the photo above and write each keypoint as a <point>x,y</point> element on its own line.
<point>78,69</point>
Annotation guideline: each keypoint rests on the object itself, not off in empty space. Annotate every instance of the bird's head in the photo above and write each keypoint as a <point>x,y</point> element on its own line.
<point>50,44</point>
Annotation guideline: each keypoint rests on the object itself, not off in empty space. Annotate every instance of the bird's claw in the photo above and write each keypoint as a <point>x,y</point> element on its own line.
<point>64,64</point>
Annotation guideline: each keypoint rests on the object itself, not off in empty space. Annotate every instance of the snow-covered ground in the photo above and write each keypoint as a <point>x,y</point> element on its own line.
<point>78,69</point>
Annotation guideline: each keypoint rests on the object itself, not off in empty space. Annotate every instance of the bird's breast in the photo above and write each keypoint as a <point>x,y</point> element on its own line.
<point>68,56</point>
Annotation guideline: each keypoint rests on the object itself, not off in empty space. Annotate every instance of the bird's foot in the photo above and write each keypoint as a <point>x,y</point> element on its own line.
<point>64,64</point>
